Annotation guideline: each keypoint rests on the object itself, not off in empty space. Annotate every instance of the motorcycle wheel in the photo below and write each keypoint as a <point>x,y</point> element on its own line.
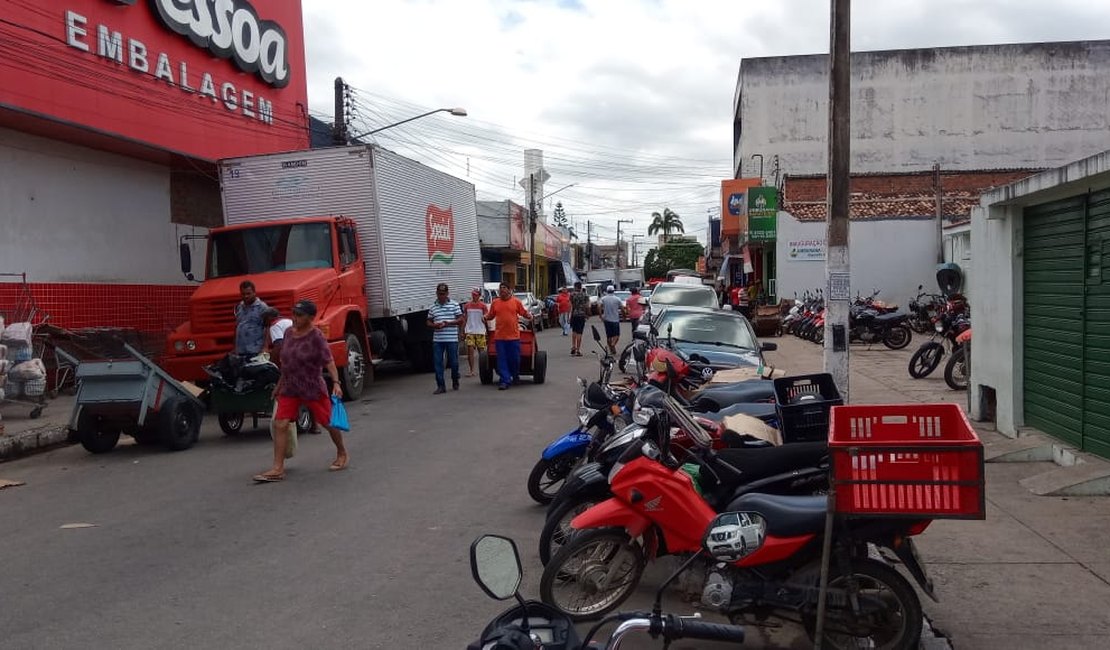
<point>593,573</point>
<point>896,627</point>
<point>955,373</point>
<point>556,530</point>
<point>548,476</point>
<point>818,336</point>
<point>898,337</point>
<point>626,354</point>
<point>926,359</point>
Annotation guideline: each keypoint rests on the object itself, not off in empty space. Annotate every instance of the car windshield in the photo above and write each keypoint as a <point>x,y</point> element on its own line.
<point>710,328</point>
<point>291,247</point>
<point>684,296</point>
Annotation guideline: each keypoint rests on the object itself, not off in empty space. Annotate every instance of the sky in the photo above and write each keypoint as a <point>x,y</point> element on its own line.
<point>631,101</point>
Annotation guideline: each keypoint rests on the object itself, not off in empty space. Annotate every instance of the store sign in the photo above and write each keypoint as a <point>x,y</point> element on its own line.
<point>763,210</point>
<point>206,78</point>
<point>439,226</point>
<point>734,205</point>
<point>805,250</point>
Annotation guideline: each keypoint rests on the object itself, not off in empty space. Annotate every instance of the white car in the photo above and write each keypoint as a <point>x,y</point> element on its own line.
<point>736,534</point>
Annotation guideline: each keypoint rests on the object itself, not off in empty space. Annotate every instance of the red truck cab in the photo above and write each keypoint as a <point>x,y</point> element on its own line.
<point>287,260</point>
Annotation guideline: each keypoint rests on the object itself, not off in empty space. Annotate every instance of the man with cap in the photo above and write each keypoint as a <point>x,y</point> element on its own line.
<point>304,357</point>
<point>505,311</point>
<point>476,328</point>
<point>611,315</point>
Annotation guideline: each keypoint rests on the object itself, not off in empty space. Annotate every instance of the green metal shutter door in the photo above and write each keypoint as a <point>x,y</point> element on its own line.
<point>1053,316</point>
<point>1096,420</point>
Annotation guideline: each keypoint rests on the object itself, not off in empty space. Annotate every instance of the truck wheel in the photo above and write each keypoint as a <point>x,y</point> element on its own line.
<point>96,434</point>
<point>179,423</point>
<point>539,367</point>
<point>352,377</point>
<point>485,372</point>
<point>230,423</point>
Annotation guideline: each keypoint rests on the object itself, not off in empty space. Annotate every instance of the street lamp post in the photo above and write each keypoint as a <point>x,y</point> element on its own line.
<point>619,246</point>
<point>635,250</point>
<point>461,112</point>
<point>532,225</point>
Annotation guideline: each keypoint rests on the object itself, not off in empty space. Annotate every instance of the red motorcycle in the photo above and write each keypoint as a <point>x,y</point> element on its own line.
<point>770,545</point>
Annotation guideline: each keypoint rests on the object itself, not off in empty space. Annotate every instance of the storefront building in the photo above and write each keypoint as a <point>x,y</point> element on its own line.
<point>112,116</point>
<point>506,257</point>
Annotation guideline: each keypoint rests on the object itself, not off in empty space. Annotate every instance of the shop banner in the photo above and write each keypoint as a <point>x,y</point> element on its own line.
<point>763,209</point>
<point>805,250</point>
<point>734,205</point>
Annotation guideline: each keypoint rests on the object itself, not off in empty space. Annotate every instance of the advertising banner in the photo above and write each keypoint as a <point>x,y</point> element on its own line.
<point>763,209</point>
<point>205,79</point>
<point>805,250</point>
<point>734,205</point>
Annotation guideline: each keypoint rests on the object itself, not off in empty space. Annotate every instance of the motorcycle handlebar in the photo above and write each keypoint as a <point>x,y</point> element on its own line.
<point>678,628</point>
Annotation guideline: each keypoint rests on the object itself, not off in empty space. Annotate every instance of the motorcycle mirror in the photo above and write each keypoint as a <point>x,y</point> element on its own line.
<point>732,536</point>
<point>495,564</point>
<point>768,347</point>
<point>597,334</point>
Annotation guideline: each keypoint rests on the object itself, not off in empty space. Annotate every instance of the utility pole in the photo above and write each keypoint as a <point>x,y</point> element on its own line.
<point>589,246</point>
<point>532,228</point>
<point>940,213</point>
<point>620,246</point>
<point>837,267</point>
<point>636,251</point>
<point>339,128</point>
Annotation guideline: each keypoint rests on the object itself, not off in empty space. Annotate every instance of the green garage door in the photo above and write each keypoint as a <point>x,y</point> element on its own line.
<point>1067,320</point>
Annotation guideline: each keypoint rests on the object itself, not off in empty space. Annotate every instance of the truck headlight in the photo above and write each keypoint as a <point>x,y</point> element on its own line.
<point>191,345</point>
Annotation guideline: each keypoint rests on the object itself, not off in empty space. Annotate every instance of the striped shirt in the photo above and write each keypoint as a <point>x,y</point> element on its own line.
<point>445,312</point>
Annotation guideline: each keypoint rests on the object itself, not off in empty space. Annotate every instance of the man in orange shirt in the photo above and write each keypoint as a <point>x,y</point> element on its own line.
<point>563,301</point>
<point>504,311</point>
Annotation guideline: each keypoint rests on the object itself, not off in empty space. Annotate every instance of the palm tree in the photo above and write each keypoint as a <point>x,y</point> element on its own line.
<point>666,222</point>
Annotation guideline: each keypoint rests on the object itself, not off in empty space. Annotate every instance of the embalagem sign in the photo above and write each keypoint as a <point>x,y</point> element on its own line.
<point>231,29</point>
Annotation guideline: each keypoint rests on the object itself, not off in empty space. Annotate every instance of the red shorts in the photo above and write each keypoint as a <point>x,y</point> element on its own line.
<point>289,407</point>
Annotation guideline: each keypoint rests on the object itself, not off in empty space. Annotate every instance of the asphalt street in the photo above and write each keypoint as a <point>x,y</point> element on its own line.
<point>185,551</point>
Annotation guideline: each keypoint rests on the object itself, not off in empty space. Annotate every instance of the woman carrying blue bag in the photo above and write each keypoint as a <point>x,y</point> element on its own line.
<point>304,357</point>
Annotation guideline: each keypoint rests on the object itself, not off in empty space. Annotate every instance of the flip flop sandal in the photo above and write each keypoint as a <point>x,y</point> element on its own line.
<point>268,478</point>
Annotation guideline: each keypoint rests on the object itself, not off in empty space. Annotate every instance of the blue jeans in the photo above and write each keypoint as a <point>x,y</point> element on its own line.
<point>451,349</point>
<point>508,360</point>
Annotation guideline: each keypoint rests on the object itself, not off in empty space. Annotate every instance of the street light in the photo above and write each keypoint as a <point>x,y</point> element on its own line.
<point>635,250</point>
<point>461,112</point>
<point>619,246</point>
<point>532,223</point>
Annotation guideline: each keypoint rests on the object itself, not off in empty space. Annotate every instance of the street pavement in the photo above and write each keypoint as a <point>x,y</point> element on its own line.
<point>186,552</point>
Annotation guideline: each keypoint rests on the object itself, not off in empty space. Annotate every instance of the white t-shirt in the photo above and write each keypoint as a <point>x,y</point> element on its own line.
<point>277,330</point>
<point>474,320</point>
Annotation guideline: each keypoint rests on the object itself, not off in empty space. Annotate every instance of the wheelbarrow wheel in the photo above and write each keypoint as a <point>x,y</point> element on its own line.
<point>539,367</point>
<point>96,434</point>
<point>485,371</point>
<point>179,422</point>
<point>231,423</point>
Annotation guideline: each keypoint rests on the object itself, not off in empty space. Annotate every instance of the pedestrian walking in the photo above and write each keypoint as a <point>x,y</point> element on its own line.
<point>611,316</point>
<point>444,318</point>
<point>742,302</point>
<point>634,308</point>
<point>562,303</point>
<point>504,311</point>
<point>304,357</point>
<point>475,329</point>
<point>579,310</point>
<point>250,336</point>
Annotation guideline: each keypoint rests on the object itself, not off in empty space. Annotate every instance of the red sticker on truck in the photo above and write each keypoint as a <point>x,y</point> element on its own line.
<point>439,224</point>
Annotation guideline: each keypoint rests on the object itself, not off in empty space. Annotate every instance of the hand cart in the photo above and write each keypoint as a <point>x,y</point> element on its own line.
<point>232,410</point>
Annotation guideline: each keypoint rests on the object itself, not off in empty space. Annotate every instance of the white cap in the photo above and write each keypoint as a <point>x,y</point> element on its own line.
<point>609,289</point>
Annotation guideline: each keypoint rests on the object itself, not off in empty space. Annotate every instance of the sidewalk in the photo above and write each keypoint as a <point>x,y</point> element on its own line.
<point>1036,573</point>
<point>23,435</point>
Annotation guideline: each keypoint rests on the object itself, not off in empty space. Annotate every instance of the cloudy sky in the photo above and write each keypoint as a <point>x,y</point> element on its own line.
<point>631,101</point>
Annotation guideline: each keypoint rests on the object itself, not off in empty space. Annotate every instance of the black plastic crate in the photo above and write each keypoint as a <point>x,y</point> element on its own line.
<point>803,403</point>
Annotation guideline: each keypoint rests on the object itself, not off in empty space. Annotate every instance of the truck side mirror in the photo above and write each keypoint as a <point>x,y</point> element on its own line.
<point>186,261</point>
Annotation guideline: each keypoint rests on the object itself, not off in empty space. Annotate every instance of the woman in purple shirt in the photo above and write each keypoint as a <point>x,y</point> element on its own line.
<point>304,356</point>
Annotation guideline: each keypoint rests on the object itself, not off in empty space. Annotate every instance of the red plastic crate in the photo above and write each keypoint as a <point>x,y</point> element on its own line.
<point>906,460</point>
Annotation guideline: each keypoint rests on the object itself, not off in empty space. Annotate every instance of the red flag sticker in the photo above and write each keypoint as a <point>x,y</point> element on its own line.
<point>439,224</point>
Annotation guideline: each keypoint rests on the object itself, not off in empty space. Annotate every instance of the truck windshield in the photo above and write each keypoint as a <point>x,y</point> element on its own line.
<point>272,248</point>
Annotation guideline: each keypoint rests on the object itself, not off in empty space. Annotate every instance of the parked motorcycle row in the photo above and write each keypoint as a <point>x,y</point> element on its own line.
<point>652,471</point>
<point>949,318</point>
<point>869,321</point>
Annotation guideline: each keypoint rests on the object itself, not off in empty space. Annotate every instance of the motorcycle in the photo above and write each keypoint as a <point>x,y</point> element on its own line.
<point>949,324</point>
<point>958,368</point>
<point>924,309</point>
<point>764,551</point>
<point>532,625</point>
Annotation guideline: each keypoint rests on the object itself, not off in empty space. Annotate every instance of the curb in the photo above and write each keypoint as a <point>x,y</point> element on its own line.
<point>28,442</point>
<point>932,639</point>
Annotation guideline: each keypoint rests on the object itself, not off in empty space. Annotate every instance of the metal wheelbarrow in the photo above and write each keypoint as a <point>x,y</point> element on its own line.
<point>133,397</point>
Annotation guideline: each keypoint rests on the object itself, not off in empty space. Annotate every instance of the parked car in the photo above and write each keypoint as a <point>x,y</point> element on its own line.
<point>677,293</point>
<point>623,295</point>
<point>722,336</point>
<point>535,308</point>
<point>593,290</point>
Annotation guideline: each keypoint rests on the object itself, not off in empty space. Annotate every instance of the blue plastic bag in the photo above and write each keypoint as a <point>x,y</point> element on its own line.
<point>339,415</point>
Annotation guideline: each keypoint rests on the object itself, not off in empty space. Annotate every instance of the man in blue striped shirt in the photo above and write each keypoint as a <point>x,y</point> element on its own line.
<point>444,318</point>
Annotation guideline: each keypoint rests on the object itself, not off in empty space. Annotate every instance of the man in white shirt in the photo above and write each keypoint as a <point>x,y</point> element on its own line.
<point>611,316</point>
<point>276,328</point>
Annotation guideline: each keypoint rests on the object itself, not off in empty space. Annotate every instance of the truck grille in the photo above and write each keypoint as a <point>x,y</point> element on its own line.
<point>218,315</point>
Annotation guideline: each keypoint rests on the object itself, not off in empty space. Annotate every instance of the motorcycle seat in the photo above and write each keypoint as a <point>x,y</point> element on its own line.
<point>761,410</point>
<point>717,397</point>
<point>786,516</point>
<point>890,318</point>
<point>762,462</point>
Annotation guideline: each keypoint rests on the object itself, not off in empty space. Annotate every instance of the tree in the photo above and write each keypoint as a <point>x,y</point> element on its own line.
<point>675,255</point>
<point>667,222</point>
<point>561,216</point>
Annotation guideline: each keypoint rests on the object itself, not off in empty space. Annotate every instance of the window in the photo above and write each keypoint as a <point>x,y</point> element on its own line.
<point>348,246</point>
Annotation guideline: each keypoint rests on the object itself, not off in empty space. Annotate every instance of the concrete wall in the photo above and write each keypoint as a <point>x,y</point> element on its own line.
<point>72,214</point>
<point>982,107</point>
<point>493,223</point>
<point>886,255</point>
